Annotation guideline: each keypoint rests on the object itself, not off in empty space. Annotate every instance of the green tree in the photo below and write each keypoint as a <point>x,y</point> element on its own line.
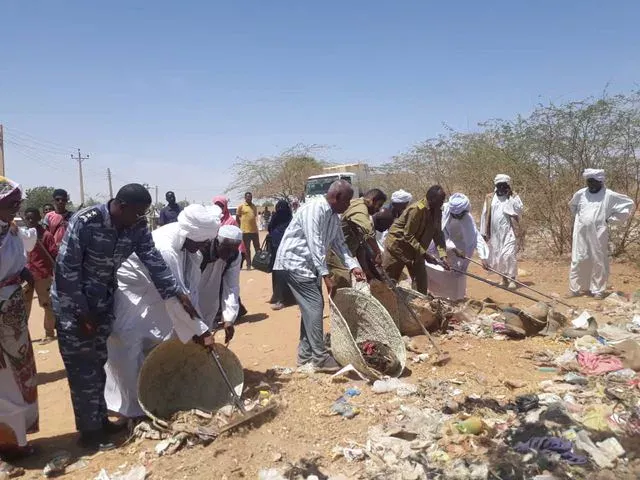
<point>545,153</point>
<point>280,176</point>
<point>183,203</point>
<point>36,197</point>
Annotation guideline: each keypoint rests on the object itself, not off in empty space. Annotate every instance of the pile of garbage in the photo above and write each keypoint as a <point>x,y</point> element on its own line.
<point>573,426</point>
<point>198,427</point>
<point>584,420</point>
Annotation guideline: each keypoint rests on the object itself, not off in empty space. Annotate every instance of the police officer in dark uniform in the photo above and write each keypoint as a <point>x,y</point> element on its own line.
<point>99,239</point>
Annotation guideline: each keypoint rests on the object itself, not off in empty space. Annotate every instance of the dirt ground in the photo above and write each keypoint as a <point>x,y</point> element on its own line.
<point>302,426</point>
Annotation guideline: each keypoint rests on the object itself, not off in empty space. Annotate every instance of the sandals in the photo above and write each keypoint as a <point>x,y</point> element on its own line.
<point>9,470</point>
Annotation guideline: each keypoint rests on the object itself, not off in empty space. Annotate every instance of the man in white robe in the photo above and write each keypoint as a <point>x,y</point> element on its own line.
<point>594,207</point>
<point>143,319</point>
<point>220,282</point>
<point>500,226</point>
<point>462,239</point>
<point>400,200</point>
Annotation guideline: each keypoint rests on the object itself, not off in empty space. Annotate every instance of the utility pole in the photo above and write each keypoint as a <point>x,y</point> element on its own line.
<point>80,159</point>
<point>156,194</point>
<point>1,151</point>
<point>110,186</point>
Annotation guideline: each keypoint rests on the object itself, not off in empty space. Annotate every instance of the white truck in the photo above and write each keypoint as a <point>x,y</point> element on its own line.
<point>357,174</point>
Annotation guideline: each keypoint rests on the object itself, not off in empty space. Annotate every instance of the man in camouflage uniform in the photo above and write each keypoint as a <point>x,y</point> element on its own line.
<point>357,227</point>
<point>410,236</point>
<point>99,239</point>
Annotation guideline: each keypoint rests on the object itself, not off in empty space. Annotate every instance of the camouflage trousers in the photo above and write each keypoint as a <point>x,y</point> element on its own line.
<point>84,359</point>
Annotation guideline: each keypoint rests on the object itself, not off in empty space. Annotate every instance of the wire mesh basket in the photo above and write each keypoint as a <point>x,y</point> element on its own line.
<point>180,376</point>
<point>357,317</point>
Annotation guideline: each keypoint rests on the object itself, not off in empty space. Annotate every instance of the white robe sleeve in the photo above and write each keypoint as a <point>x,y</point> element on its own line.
<point>514,207</point>
<point>574,203</point>
<point>481,246</point>
<point>29,237</point>
<point>184,326</point>
<point>483,219</point>
<point>620,207</point>
<point>231,292</point>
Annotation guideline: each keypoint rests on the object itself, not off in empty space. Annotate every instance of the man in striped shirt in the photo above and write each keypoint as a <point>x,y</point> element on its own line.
<point>302,258</point>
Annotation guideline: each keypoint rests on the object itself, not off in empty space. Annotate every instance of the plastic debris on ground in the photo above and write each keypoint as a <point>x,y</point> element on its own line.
<point>136,473</point>
<point>401,388</point>
<point>343,408</point>
<point>582,321</point>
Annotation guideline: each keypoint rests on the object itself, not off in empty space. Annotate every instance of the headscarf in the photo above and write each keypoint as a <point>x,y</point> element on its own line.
<point>281,215</point>
<point>230,232</point>
<point>280,220</point>
<point>458,203</point>
<point>595,173</point>
<point>7,187</point>
<point>502,178</point>
<point>401,196</point>
<point>226,218</point>
<point>200,223</point>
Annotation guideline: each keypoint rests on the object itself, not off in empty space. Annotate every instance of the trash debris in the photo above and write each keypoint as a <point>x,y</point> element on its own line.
<point>547,369</point>
<point>58,464</point>
<point>581,322</point>
<point>350,454</point>
<point>575,379</point>
<point>593,364</point>
<point>423,357</point>
<point>551,445</point>
<point>136,473</point>
<point>379,356</point>
<point>621,376</point>
<point>280,371</point>
<point>525,403</point>
<point>345,371</point>
<point>401,388</point>
<point>343,408</point>
<point>171,445</point>
<point>602,458</point>
<point>270,474</point>
<point>352,392</point>
<point>472,426</point>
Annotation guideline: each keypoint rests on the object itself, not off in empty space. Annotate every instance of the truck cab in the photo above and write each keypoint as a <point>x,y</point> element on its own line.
<point>318,185</point>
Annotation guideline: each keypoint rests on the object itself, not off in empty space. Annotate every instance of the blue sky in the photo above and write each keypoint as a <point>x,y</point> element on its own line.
<point>171,93</point>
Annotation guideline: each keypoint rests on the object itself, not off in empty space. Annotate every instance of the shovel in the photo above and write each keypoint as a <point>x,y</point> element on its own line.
<point>443,357</point>
<point>246,416</point>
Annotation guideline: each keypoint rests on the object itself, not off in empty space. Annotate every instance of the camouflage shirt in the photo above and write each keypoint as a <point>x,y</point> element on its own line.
<point>92,250</point>
<point>411,234</point>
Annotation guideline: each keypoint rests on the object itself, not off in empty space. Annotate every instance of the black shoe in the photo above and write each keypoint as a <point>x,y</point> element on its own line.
<point>242,311</point>
<point>111,428</point>
<point>95,441</point>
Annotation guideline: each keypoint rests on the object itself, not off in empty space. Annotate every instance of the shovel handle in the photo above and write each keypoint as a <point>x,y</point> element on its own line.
<point>236,398</point>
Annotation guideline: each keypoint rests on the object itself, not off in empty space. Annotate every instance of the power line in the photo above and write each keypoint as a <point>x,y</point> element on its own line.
<point>33,139</point>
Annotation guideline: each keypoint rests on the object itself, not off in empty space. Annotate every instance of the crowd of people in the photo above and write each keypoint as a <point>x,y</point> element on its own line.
<point>112,290</point>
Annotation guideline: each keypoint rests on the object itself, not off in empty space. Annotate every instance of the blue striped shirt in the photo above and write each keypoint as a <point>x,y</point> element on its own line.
<point>315,229</point>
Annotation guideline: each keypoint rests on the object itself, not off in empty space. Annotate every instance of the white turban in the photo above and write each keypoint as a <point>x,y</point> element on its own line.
<point>230,232</point>
<point>502,178</point>
<point>200,223</point>
<point>401,197</point>
<point>594,173</point>
<point>458,203</point>
<point>7,187</point>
